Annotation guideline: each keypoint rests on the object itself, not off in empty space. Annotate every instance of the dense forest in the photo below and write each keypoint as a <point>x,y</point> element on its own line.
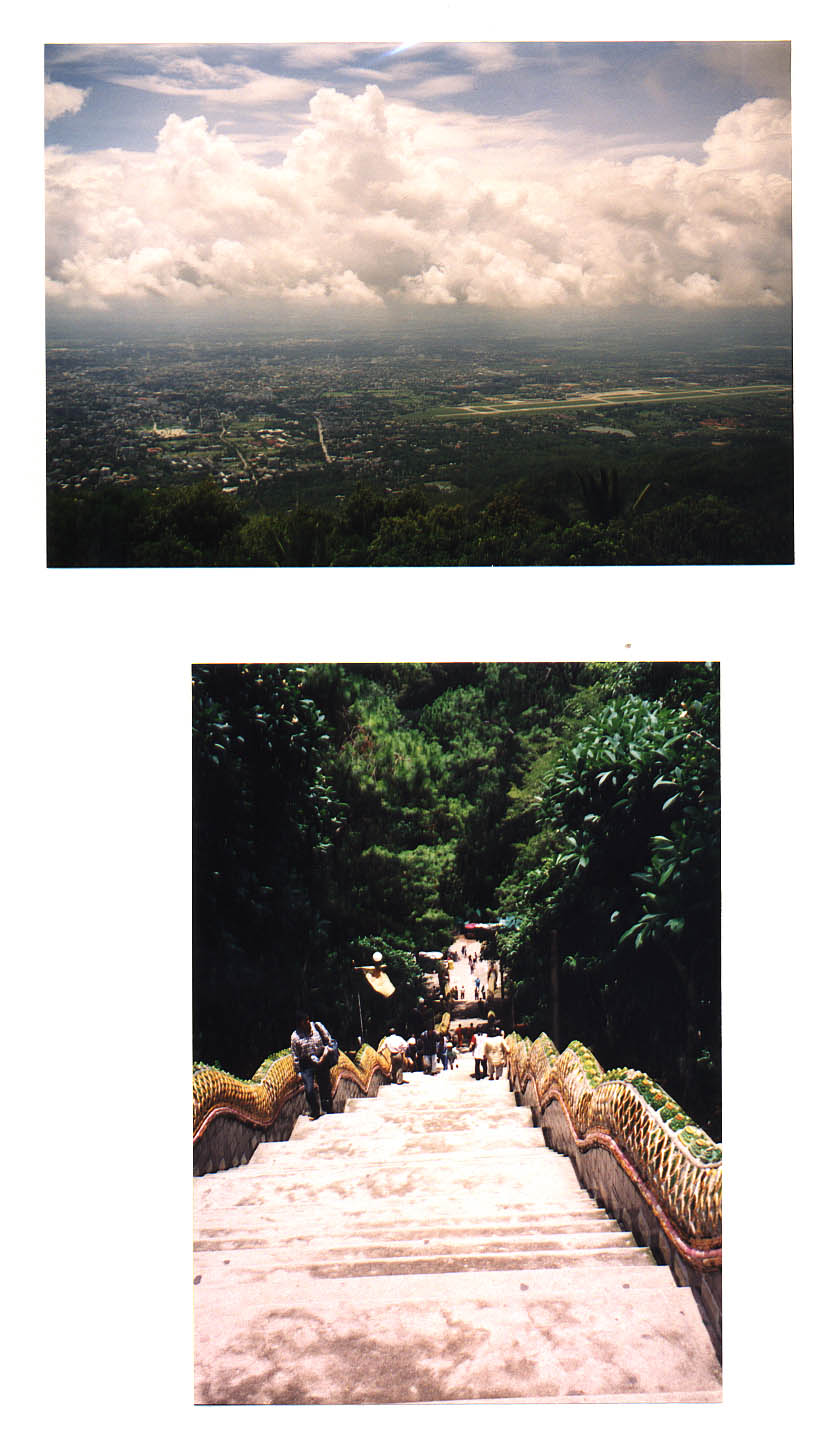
<point>340,809</point>
<point>735,511</point>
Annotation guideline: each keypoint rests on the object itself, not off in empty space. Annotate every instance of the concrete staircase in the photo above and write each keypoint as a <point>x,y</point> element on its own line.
<point>422,1247</point>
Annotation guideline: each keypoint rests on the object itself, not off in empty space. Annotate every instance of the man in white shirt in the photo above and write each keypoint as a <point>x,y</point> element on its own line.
<point>397,1048</point>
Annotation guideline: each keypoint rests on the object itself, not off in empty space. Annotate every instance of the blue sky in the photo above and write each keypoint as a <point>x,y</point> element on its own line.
<point>664,94</point>
<point>500,174</point>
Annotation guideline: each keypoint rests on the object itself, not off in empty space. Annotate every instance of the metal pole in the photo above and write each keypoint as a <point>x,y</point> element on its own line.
<point>554,977</point>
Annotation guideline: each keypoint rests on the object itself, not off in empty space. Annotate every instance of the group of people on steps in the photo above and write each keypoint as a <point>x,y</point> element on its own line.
<point>314,1052</point>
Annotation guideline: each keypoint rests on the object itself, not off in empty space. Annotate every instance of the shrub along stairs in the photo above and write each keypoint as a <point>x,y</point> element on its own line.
<point>425,1246</point>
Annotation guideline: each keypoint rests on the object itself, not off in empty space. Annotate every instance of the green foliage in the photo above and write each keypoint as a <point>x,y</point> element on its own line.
<point>417,539</point>
<point>262,541</point>
<point>601,496</point>
<point>346,809</point>
<point>263,816</point>
<point>629,878</point>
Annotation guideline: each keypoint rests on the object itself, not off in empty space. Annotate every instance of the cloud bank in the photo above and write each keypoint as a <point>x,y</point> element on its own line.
<point>380,202</point>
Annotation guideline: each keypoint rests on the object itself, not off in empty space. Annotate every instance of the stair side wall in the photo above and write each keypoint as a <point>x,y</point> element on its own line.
<point>603,1170</point>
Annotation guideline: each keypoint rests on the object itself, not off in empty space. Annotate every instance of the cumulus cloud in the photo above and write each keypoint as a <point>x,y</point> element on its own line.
<point>61,100</point>
<point>377,202</point>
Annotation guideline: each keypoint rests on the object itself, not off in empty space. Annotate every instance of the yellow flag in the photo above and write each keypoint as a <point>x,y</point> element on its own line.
<point>378,980</point>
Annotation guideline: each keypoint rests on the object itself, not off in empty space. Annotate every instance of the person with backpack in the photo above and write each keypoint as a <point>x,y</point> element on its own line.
<point>314,1052</point>
<point>428,1049</point>
<point>399,1061</point>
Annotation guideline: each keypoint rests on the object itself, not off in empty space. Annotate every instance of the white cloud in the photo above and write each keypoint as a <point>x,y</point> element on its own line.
<point>229,85</point>
<point>323,54</point>
<point>755,138</point>
<point>62,100</point>
<point>442,85</point>
<point>488,56</point>
<point>376,201</point>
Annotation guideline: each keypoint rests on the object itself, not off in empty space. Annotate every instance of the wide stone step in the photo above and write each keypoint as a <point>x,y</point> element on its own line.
<point>401,1112</point>
<point>549,1183</point>
<point>328,1138</point>
<point>275,1270</point>
<point>374,1237</point>
<point>429,1144</point>
<point>392,1105</point>
<point>490,1262</point>
<point>440,1238</point>
<point>429,1175</point>
<point>265,1336</point>
<point>346,1263</point>
<point>314,1247</point>
<point>366,1232</point>
<point>428,1184</point>
<point>407,1193</point>
<point>375,1144</point>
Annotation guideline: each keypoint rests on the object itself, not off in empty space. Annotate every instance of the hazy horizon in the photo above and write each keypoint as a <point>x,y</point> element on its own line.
<point>752,327</point>
<point>429,186</point>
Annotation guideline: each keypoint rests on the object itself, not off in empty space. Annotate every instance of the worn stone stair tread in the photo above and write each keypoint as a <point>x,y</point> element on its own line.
<point>375,1234</point>
<point>282,1278</point>
<point>283,1154</point>
<point>464,1161</point>
<point>319,1248</point>
<point>435,1263</point>
<point>356,1173</point>
<point>402,1107</point>
<point>384,1200</point>
<point>342,1140</point>
<point>688,1396</point>
<point>547,1236</point>
<point>336,1248</point>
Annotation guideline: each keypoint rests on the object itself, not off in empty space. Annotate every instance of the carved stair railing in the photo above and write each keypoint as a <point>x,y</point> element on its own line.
<point>637,1152</point>
<point>231,1117</point>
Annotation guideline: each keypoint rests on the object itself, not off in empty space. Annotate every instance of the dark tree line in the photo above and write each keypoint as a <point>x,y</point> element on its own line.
<point>200,526</point>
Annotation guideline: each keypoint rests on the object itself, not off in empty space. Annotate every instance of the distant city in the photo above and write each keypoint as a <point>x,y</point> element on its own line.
<point>303,418</point>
